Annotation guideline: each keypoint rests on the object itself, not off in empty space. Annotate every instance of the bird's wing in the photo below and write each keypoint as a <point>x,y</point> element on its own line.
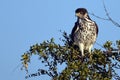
<point>97,30</point>
<point>74,30</point>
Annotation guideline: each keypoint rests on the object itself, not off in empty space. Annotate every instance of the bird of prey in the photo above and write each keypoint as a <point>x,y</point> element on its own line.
<point>84,32</point>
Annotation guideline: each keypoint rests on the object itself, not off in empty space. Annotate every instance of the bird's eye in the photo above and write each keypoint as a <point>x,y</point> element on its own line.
<point>82,13</point>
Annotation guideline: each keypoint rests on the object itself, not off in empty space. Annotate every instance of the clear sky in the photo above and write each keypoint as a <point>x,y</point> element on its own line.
<point>26,22</point>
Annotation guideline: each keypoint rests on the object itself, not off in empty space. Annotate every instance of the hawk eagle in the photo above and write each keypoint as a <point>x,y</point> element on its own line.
<point>84,32</point>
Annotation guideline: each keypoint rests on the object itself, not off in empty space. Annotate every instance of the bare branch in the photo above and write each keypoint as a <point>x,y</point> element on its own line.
<point>108,16</point>
<point>110,19</point>
<point>98,16</point>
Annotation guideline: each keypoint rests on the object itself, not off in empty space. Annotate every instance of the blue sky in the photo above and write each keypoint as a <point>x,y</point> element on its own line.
<point>26,22</point>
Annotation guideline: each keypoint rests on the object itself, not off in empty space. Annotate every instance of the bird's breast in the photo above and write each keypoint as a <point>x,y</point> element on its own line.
<point>87,34</point>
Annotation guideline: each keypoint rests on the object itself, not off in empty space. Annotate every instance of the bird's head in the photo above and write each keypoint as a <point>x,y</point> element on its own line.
<point>81,13</point>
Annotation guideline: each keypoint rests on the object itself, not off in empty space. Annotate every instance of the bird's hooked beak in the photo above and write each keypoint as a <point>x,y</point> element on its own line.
<point>78,15</point>
<point>81,16</point>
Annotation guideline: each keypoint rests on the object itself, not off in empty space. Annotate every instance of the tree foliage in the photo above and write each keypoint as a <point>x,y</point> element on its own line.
<point>100,65</point>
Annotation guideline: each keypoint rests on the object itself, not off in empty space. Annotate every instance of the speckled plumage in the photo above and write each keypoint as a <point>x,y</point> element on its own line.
<point>84,34</point>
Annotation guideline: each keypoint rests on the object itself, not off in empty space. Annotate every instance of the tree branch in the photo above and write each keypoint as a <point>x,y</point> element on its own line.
<point>108,16</point>
<point>98,16</point>
<point>110,19</point>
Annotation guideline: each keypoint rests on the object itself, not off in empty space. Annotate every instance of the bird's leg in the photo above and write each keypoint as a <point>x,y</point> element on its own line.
<point>89,49</point>
<point>81,47</point>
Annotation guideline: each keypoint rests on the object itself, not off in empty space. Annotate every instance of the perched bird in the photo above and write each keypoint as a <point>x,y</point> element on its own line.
<point>84,32</point>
